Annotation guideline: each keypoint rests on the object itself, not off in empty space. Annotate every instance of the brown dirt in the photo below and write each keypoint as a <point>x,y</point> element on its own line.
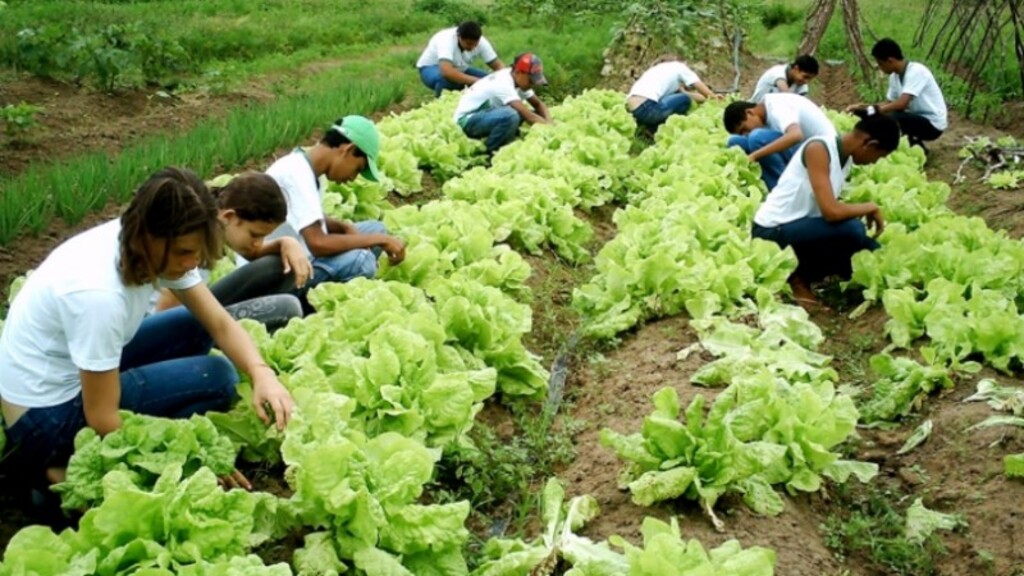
<point>616,393</point>
<point>955,470</point>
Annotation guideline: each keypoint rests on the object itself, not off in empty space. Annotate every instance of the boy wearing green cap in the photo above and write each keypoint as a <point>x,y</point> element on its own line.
<point>339,251</point>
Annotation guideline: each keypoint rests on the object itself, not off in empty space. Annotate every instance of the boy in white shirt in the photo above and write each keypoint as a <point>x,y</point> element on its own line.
<point>770,130</point>
<point>787,78</point>
<point>914,98</point>
<point>493,108</point>
<point>664,90</point>
<point>804,211</point>
<point>340,251</point>
<point>445,63</point>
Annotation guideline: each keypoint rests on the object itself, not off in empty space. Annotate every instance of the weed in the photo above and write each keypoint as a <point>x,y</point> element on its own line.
<point>497,472</point>
<point>870,524</point>
<point>19,120</point>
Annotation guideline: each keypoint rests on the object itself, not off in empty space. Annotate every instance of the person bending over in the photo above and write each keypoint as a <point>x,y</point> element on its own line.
<point>250,207</point>
<point>445,63</point>
<point>770,131</point>
<point>668,88</point>
<point>494,107</point>
<point>784,78</point>
<point>77,346</point>
<point>804,210</point>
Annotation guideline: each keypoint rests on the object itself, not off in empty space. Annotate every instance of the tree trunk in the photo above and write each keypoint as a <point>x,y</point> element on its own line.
<point>815,25</point>
<point>851,20</point>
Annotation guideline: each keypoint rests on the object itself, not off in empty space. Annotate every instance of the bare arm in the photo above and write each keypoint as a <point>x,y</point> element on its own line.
<point>166,301</point>
<point>452,74</point>
<point>233,340</point>
<point>706,92</point>
<point>539,114</point>
<point>321,244</point>
<point>101,397</point>
<point>335,226</point>
<point>896,105</point>
<point>496,64</point>
<point>791,137</point>
<point>832,210</point>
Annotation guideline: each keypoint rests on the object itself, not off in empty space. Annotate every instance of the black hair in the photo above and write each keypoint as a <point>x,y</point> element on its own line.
<point>735,114</point>
<point>887,48</point>
<point>469,30</point>
<point>255,197</point>
<point>807,63</point>
<point>882,129</point>
<point>334,139</point>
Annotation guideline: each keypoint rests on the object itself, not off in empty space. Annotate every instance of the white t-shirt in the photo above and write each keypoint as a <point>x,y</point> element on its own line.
<point>662,80</point>
<point>294,174</point>
<point>445,46</point>
<point>784,110</point>
<point>492,91</point>
<point>919,83</point>
<point>767,83</point>
<point>793,198</point>
<point>73,313</point>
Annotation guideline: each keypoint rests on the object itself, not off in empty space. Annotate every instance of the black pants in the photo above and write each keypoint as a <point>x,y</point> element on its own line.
<point>916,128</point>
<point>259,290</point>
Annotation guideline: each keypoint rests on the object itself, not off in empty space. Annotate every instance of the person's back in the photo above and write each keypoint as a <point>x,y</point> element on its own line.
<point>783,110</point>
<point>663,79</point>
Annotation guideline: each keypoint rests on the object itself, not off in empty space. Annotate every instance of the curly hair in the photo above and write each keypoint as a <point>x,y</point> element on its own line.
<point>173,202</point>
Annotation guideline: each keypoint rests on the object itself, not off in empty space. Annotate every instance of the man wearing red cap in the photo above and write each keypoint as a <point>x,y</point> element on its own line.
<point>493,107</point>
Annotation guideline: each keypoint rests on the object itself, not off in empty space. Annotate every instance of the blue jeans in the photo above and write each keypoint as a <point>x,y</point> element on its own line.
<point>653,114</point>
<point>350,264</point>
<point>498,125</point>
<point>772,165</point>
<point>166,370</point>
<point>822,248</point>
<point>431,77</point>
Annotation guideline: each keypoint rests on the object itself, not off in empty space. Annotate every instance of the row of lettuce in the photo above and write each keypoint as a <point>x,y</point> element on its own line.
<point>389,372</point>
<point>385,375</point>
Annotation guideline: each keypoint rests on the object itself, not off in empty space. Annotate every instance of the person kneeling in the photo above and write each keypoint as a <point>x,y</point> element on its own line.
<point>804,211</point>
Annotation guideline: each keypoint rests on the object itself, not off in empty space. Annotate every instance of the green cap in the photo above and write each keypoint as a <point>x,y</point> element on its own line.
<point>361,131</point>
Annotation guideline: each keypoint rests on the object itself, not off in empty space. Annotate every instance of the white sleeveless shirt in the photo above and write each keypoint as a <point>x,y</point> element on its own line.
<point>793,198</point>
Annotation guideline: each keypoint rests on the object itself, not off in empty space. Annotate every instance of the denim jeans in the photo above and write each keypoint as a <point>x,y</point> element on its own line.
<point>166,370</point>
<point>653,114</point>
<point>917,128</point>
<point>772,165</point>
<point>822,248</point>
<point>498,125</point>
<point>350,264</point>
<point>431,77</point>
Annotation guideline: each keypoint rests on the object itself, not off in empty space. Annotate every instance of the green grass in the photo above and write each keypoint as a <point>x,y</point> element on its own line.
<point>229,30</point>
<point>85,184</point>
<point>74,188</point>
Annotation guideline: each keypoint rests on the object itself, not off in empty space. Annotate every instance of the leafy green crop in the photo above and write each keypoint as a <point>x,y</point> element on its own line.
<point>142,448</point>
